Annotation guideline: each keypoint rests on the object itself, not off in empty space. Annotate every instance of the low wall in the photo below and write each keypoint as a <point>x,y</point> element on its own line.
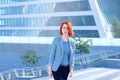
<point>109,63</point>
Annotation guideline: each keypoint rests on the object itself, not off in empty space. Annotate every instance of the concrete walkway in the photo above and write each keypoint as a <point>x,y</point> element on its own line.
<point>92,74</point>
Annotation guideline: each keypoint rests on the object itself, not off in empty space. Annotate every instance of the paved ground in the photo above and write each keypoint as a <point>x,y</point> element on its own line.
<point>96,73</point>
<point>93,74</point>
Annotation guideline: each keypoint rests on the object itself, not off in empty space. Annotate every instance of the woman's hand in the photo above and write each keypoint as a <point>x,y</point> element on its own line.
<point>50,72</point>
<point>71,72</point>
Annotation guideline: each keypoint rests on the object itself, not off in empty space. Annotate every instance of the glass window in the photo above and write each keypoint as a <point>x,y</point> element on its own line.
<point>13,1</point>
<point>75,20</point>
<point>109,10</point>
<point>87,33</point>
<point>82,5</point>
<point>12,10</point>
<point>47,33</point>
<point>51,21</point>
<point>1,23</point>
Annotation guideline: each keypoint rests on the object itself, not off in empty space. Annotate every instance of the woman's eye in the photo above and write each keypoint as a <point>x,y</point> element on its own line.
<point>63,27</point>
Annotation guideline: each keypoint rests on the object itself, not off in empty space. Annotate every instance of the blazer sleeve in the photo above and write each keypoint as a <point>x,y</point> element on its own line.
<point>52,52</point>
<point>72,54</point>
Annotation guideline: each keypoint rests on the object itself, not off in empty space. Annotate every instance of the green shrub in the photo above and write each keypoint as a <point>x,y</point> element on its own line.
<point>116,27</point>
<point>30,58</point>
<point>82,45</point>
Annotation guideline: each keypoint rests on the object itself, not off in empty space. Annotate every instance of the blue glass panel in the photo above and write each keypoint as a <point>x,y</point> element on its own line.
<point>13,1</point>
<point>75,20</point>
<point>48,8</point>
<point>109,9</point>
<point>47,33</point>
<point>49,21</point>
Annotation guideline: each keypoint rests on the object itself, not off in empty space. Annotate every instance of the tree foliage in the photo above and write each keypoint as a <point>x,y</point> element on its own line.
<point>82,45</point>
<point>30,58</point>
<point>116,27</point>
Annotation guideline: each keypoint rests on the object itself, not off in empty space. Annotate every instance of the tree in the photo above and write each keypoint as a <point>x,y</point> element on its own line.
<point>82,45</point>
<point>116,27</point>
<point>30,58</point>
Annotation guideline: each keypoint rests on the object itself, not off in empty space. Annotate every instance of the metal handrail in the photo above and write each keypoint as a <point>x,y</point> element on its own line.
<point>92,54</point>
<point>85,59</point>
<point>23,72</point>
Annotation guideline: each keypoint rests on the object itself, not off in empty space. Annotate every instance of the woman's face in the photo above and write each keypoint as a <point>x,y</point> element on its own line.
<point>64,29</point>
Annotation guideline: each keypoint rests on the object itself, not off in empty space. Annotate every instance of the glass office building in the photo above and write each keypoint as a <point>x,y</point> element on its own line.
<point>38,18</point>
<point>32,24</point>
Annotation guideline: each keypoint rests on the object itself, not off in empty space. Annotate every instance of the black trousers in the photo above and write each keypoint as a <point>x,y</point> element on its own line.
<point>61,73</point>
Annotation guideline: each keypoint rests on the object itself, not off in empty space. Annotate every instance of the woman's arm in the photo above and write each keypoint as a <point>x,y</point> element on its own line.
<point>51,59</point>
<point>72,59</point>
<point>50,71</point>
<point>52,52</point>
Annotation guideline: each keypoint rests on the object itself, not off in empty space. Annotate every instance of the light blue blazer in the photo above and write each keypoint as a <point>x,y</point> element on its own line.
<point>56,53</point>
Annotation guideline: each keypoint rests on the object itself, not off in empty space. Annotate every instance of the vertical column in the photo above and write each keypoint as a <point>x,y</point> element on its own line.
<point>98,19</point>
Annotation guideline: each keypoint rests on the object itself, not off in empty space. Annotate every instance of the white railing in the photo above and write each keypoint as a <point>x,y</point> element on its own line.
<point>26,72</point>
<point>92,57</point>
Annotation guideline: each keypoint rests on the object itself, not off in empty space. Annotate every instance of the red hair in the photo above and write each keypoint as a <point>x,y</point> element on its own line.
<point>70,29</point>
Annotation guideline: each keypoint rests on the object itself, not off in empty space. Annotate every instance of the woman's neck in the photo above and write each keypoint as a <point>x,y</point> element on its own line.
<point>65,37</point>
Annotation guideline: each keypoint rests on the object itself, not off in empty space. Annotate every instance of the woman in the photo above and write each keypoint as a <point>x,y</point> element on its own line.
<point>61,62</point>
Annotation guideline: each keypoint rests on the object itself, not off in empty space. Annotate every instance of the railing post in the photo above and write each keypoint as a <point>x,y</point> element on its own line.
<point>33,73</point>
<point>9,76</point>
<point>23,72</point>
<point>40,72</point>
<point>16,73</point>
<point>1,77</point>
<point>87,60</point>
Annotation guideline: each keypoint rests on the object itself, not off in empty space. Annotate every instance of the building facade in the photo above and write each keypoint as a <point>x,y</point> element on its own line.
<point>38,18</point>
<point>32,24</point>
<point>109,10</point>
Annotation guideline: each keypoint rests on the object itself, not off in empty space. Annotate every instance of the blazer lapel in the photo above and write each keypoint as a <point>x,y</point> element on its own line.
<point>70,45</point>
<point>61,44</point>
